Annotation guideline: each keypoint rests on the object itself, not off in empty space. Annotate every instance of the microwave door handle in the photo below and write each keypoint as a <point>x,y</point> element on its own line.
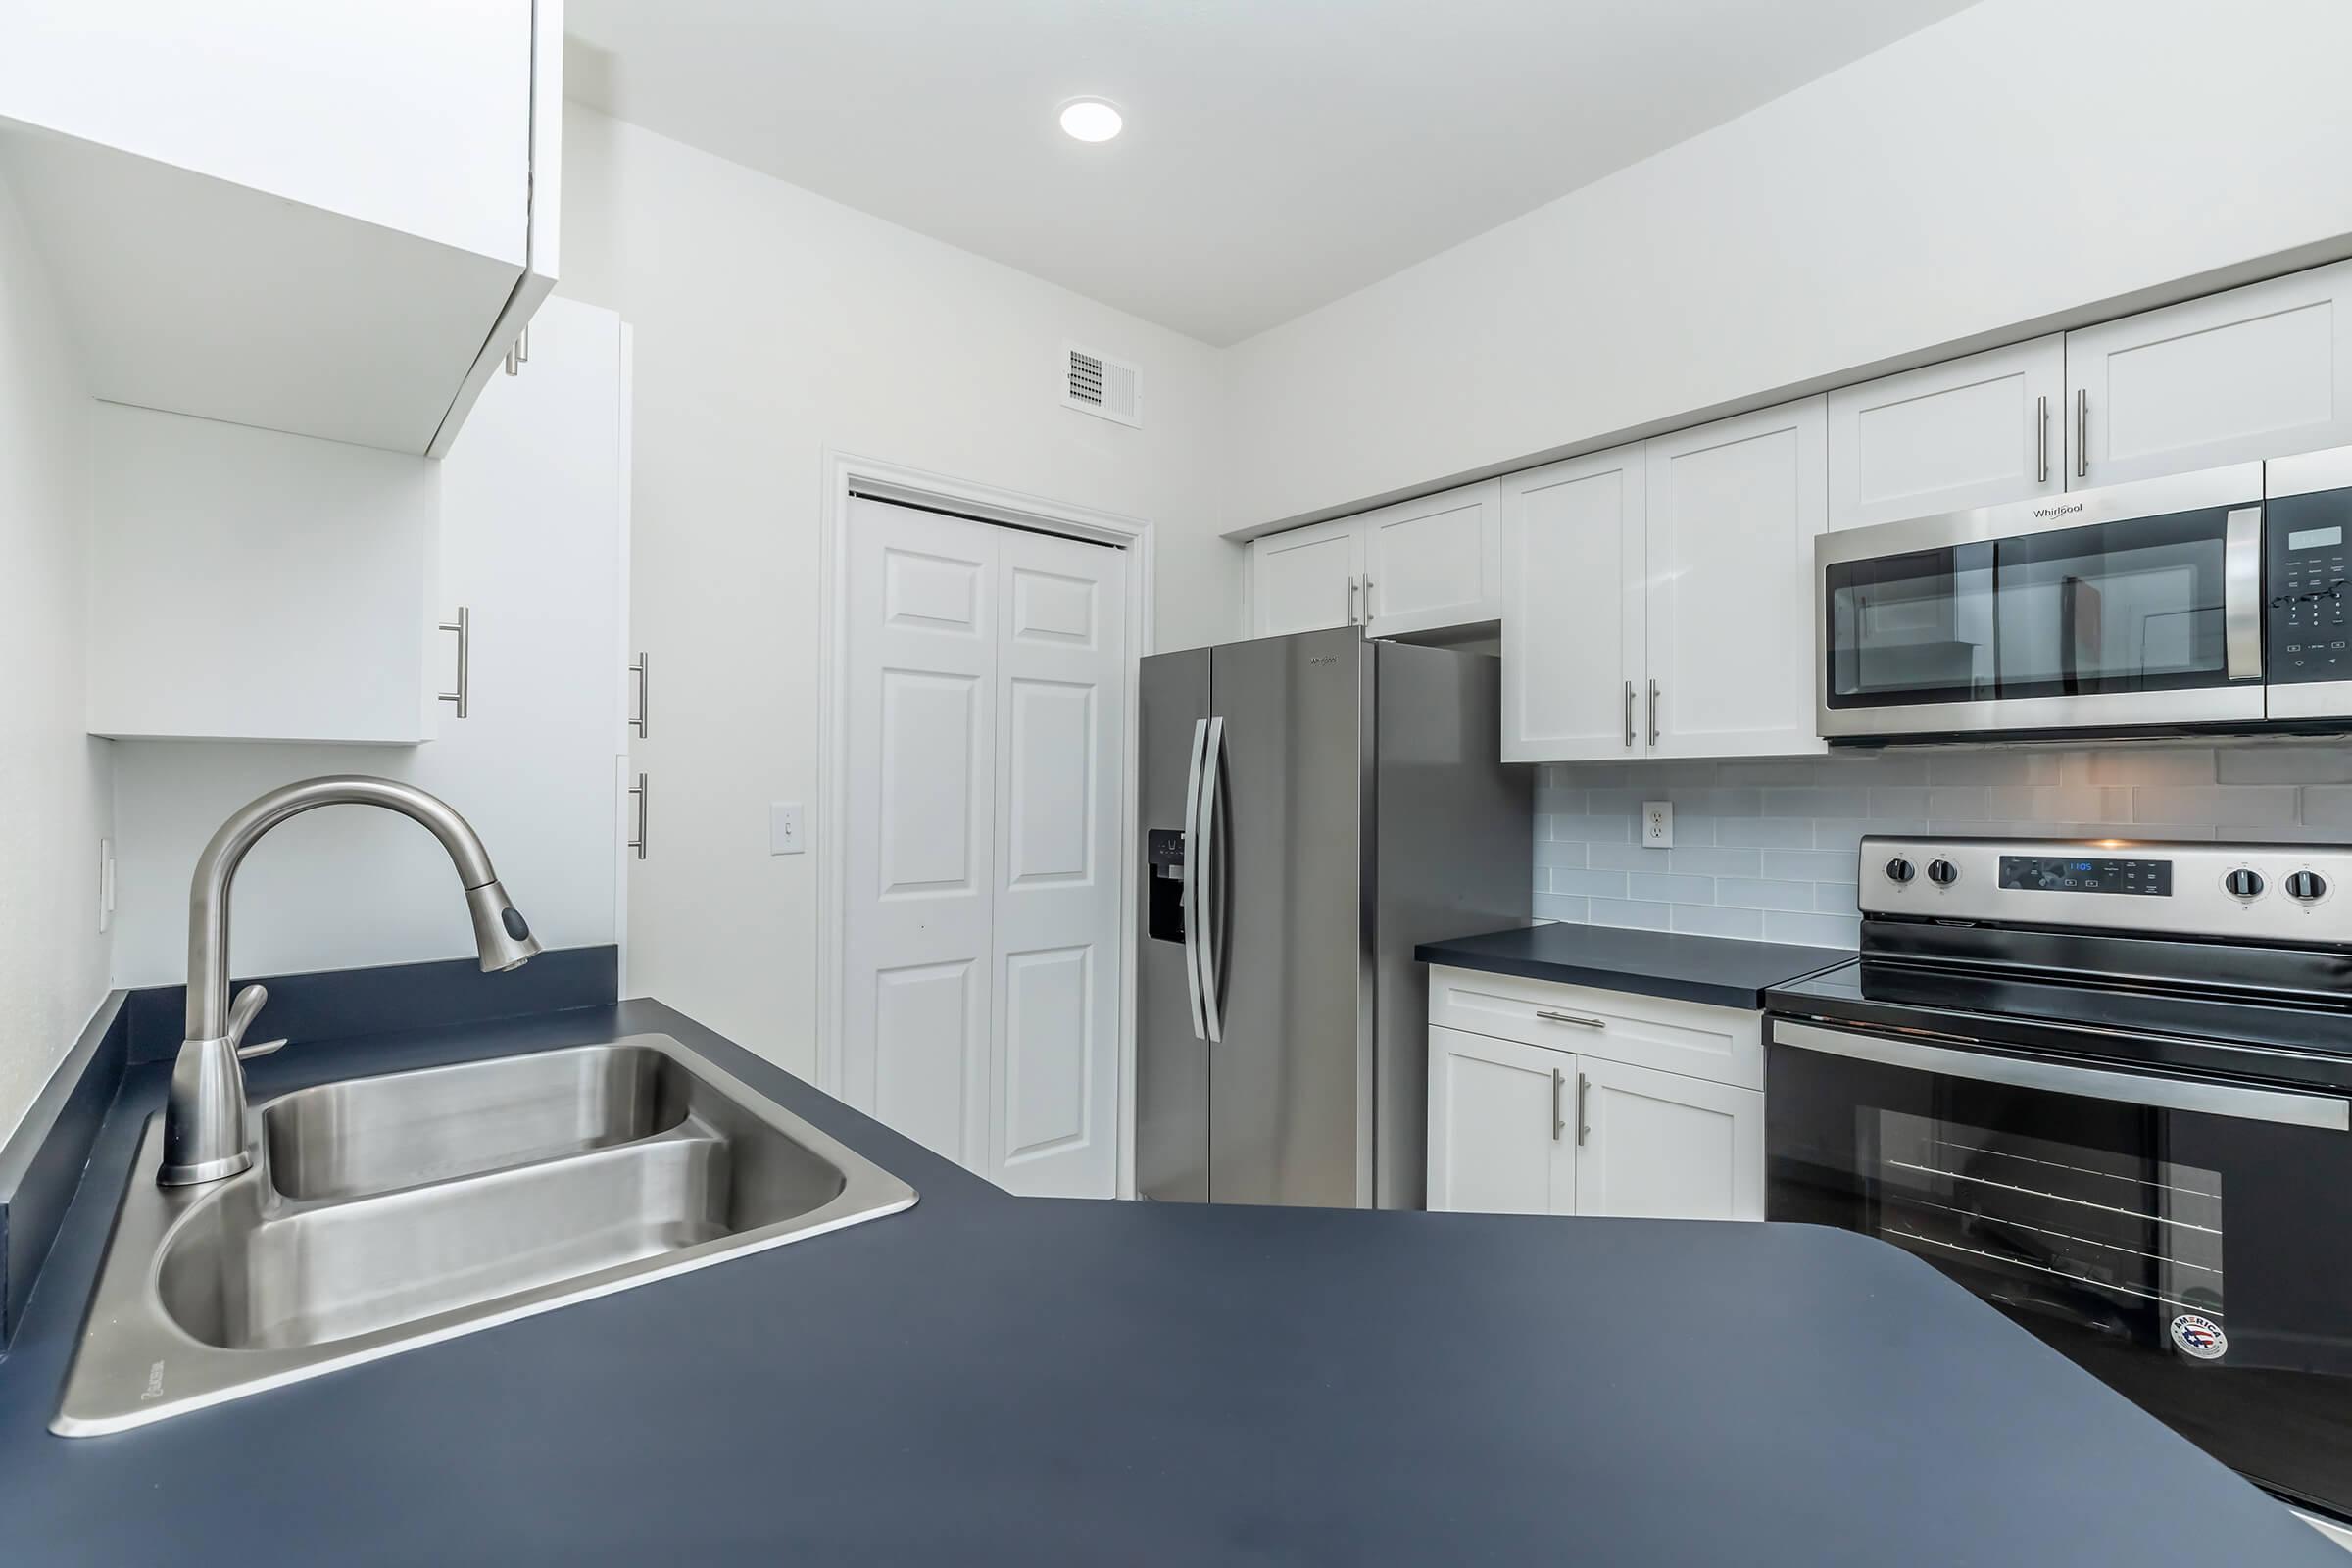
<point>2202,1097</point>
<point>1189,901</point>
<point>1216,905</point>
<point>2241,597</point>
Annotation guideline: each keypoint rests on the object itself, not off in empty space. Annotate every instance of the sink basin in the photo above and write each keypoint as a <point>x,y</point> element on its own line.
<point>386,1213</point>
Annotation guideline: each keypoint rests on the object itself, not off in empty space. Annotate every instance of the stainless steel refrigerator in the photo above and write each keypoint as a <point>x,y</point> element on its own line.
<point>1311,807</point>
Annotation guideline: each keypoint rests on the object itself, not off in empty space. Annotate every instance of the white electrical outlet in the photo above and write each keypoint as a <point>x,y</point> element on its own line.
<point>784,827</point>
<point>1657,824</point>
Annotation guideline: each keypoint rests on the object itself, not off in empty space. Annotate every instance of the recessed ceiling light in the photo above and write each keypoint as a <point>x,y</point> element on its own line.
<point>1090,119</point>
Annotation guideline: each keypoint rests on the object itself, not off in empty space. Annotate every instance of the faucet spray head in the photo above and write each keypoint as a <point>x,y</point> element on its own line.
<point>500,931</point>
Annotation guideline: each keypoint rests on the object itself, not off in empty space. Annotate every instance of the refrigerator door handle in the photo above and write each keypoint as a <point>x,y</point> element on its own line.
<point>1212,822</point>
<point>1189,902</point>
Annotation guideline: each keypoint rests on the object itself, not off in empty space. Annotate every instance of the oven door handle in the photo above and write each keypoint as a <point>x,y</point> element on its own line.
<point>2241,593</point>
<point>2204,1097</point>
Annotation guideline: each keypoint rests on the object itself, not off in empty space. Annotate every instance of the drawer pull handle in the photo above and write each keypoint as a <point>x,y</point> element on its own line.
<point>1570,1017</point>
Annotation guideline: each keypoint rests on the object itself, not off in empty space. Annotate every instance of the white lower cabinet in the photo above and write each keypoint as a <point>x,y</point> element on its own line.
<point>1497,1138</point>
<point>1662,1145</point>
<point>1519,1128</point>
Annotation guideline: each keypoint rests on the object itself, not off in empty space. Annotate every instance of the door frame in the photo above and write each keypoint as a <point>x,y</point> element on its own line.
<point>848,475</point>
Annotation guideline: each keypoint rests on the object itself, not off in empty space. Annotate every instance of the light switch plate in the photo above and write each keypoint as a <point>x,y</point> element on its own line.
<point>784,827</point>
<point>1657,824</point>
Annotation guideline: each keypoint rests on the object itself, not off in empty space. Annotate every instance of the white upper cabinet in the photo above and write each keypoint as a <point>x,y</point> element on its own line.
<point>1972,432</point>
<point>1308,579</point>
<point>1434,562</point>
<point>2256,372</point>
<point>259,586</point>
<point>328,220</point>
<point>1574,593</point>
<point>1733,507</point>
<point>1416,567</point>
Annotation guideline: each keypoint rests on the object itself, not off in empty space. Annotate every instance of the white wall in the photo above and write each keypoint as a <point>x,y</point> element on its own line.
<point>770,325</point>
<point>54,789</point>
<point>2019,163</point>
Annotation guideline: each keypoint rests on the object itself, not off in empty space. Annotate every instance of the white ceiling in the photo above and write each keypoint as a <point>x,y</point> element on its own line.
<point>1278,153</point>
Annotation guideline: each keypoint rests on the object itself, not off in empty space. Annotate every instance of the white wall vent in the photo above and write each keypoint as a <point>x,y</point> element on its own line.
<point>1106,388</point>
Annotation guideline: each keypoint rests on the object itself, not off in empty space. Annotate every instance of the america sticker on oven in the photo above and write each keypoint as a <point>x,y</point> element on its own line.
<point>2200,1337</point>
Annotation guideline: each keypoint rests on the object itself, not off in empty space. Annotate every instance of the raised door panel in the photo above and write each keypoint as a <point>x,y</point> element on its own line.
<point>1970,433</point>
<point>1659,1145</point>
<point>1308,579</point>
<point>1573,609</point>
<point>1498,1143</point>
<point>921,851</point>
<point>1434,562</point>
<point>1059,757</point>
<point>2255,372</point>
<point>1733,508</point>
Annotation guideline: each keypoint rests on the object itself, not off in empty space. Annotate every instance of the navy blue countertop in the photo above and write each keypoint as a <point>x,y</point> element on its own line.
<point>1651,963</point>
<point>991,1380</point>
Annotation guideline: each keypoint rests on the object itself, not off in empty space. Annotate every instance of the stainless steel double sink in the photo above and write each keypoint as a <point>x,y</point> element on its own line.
<point>386,1213</point>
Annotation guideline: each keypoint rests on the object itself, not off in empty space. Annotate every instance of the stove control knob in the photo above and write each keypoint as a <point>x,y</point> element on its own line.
<point>1899,870</point>
<point>2306,886</point>
<point>2243,884</point>
<point>1943,873</point>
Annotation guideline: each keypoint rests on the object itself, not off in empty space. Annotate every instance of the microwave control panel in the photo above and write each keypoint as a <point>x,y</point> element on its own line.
<point>2306,631</point>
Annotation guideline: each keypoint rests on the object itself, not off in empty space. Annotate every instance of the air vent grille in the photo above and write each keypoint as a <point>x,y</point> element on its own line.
<point>1103,387</point>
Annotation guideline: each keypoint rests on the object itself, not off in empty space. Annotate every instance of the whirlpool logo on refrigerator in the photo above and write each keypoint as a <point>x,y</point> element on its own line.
<point>2200,1337</point>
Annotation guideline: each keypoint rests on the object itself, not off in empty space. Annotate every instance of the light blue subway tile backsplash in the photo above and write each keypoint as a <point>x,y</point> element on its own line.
<point>1765,848</point>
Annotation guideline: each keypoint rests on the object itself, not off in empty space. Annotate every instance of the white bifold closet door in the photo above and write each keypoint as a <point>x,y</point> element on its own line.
<point>987,744</point>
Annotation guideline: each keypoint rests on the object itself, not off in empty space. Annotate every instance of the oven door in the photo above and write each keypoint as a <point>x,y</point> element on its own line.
<point>2188,1240</point>
<point>2134,606</point>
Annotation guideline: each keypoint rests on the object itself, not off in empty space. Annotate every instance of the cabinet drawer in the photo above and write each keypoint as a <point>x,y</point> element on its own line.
<point>1723,1045</point>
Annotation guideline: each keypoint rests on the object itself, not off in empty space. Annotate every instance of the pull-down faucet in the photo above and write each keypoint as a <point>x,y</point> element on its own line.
<point>204,1120</point>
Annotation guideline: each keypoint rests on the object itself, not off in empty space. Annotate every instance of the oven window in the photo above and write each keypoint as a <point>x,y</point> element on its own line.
<point>2198,1262</point>
<point>2119,606</point>
<point>1915,628</point>
<point>2119,1243</point>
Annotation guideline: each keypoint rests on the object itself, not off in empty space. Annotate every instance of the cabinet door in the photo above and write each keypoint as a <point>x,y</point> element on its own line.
<point>1308,579</point>
<point>1733,507</point>
<point>1970,432</point>
<point>1434,562</point>
<point>1573,609</point>
<point>1659,1145</point>
<point>2256,372</point>
<point>1499,1141</point>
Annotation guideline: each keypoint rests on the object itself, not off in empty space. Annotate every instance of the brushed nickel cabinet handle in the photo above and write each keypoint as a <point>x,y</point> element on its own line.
<point>1558,1126</point>
<point>1653,712</point>
<point>1629,713</point>
<point>463,627</point>
<point>1582,1126</point>
<point>2083,434</point>
<point>641,670</point>
<point>1569,1018</point>
<point>2042,439</point>
<point>638,843</point>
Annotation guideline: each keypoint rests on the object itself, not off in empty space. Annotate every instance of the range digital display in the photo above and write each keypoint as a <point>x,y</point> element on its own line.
<point>2075,874</point>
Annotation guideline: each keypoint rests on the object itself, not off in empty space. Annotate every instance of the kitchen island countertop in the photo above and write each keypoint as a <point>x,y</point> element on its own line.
<point>984,1379</point>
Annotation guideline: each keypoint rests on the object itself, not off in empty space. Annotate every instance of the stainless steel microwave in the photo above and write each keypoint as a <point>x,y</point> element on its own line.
<point>2208,601</point>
